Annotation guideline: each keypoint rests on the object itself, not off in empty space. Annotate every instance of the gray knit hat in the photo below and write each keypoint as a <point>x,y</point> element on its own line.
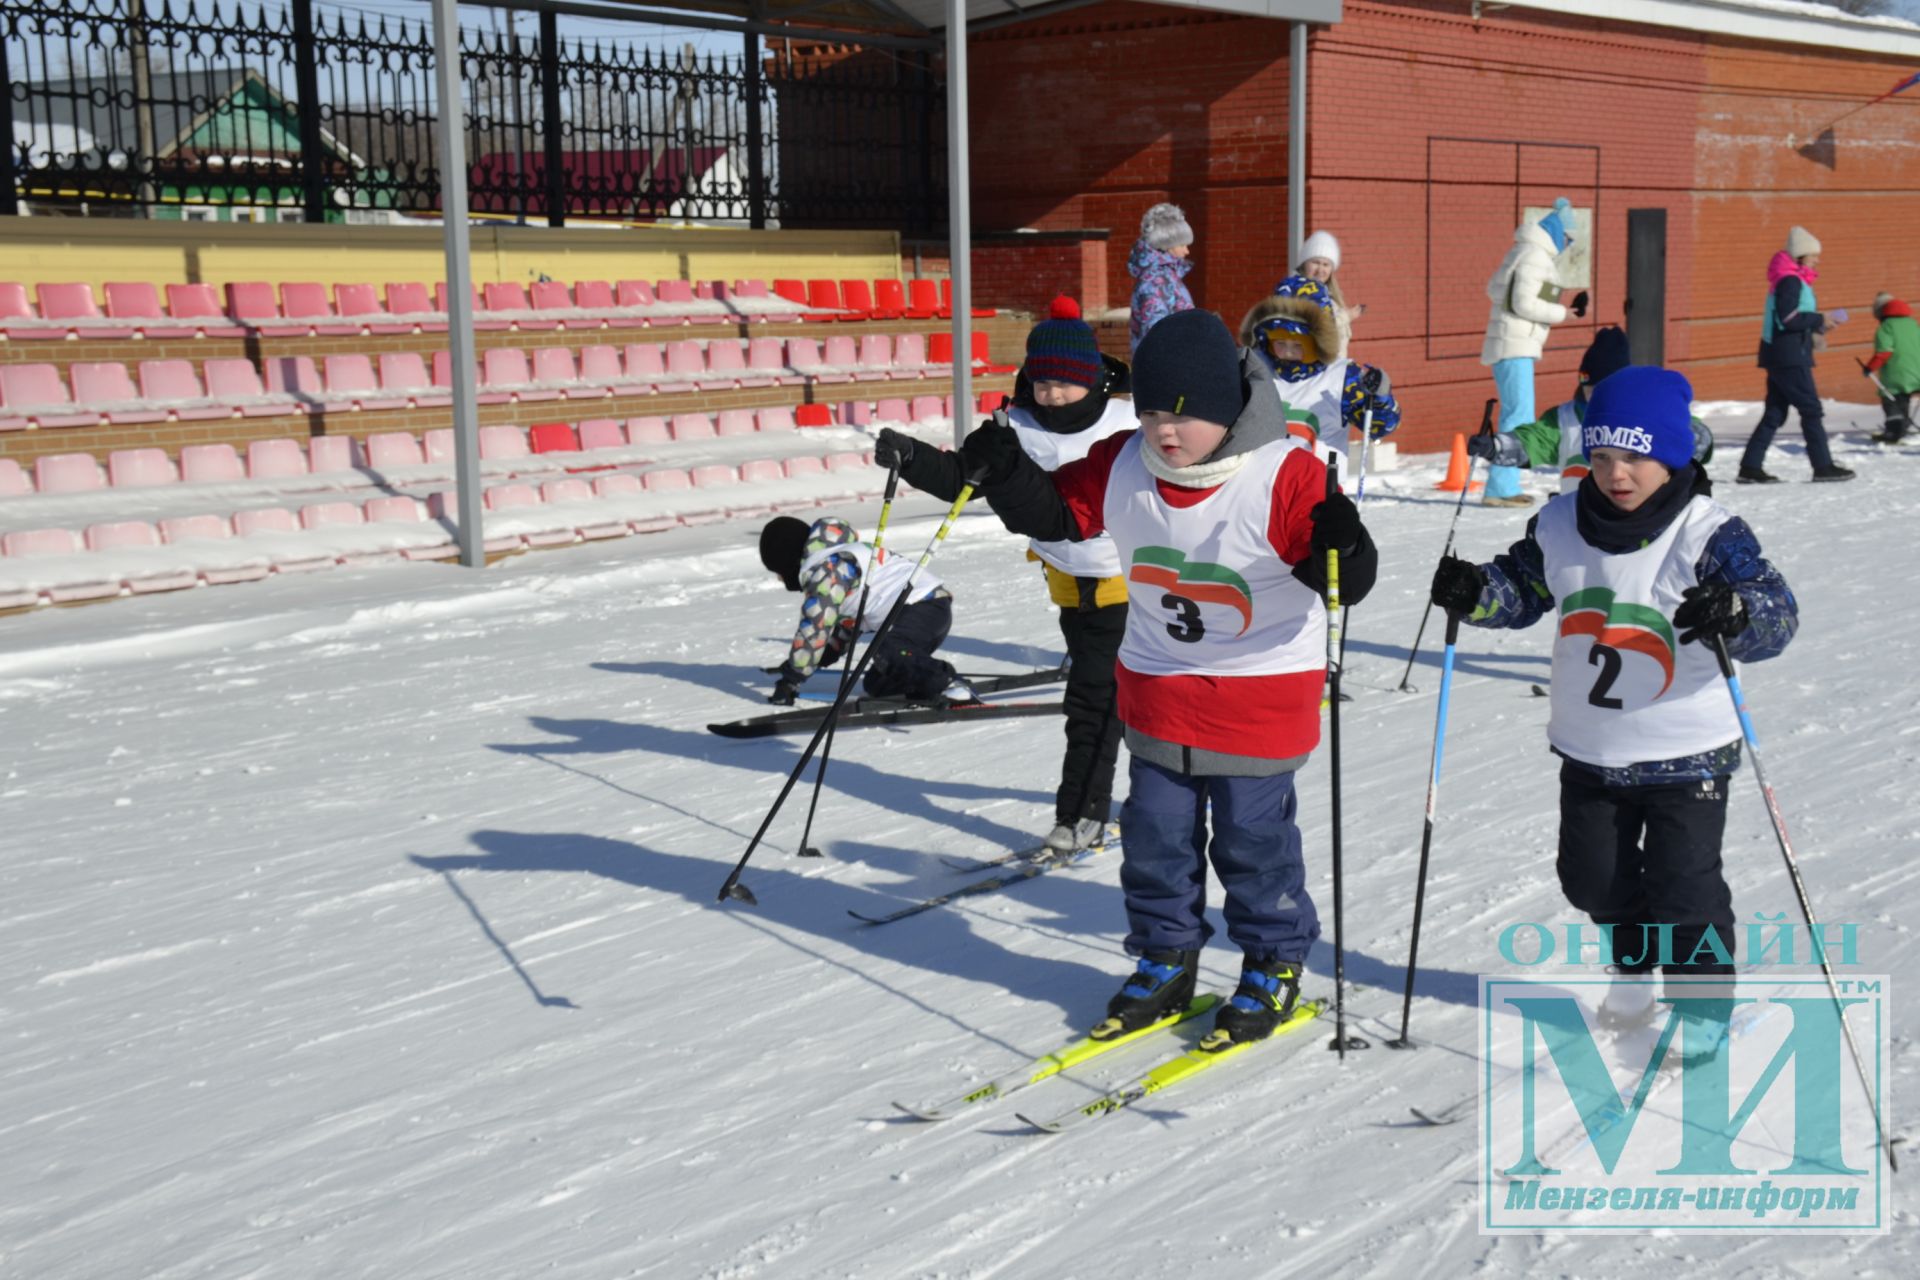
<point>1165,227</point>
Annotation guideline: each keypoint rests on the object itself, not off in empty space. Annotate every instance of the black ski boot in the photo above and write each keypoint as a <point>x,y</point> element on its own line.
<point>1754,475</point>
<point>1265,997</point>
<point>1162,985</point>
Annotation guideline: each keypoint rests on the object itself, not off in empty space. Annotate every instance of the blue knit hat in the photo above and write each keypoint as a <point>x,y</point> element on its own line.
<point>1555,224</point>
<point>1643,410</point>
<point>1062,347</point>
<point>1188,364</point>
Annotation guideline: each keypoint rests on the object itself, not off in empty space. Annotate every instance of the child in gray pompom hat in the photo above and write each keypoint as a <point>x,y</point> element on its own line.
<point>1159,265</point>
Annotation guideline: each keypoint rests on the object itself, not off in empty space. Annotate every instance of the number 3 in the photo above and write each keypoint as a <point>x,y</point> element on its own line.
<point>1187,628</point>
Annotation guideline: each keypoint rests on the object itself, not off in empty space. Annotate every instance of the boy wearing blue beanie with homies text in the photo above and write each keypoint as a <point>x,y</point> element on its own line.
<point>1222,522</point>
<point>1640,553</point>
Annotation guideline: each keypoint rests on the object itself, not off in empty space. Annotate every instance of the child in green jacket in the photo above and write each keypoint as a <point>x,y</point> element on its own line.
<point>1895,364</point>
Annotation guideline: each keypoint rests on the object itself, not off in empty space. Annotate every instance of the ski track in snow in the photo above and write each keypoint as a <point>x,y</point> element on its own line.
<point>364,925</point>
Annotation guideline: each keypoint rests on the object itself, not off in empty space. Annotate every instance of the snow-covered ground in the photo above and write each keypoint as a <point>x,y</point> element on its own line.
<point>363,925</point>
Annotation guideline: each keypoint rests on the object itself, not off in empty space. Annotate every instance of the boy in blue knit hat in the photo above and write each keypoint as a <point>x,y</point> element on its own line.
<point>1295,332</point>
<point>1063,405</point>
<point>1644,571</point>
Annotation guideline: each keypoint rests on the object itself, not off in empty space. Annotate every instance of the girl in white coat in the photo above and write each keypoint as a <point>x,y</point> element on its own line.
<point>1524,294</point>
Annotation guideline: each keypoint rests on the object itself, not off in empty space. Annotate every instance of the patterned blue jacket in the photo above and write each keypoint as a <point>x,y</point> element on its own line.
<point>1516,596</point>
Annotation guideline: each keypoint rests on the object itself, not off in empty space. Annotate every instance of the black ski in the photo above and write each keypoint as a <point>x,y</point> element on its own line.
<point>869,711</point>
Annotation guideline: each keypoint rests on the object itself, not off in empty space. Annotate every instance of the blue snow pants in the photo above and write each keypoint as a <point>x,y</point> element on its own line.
<point>1513,380</point>
<point>1255,851</point>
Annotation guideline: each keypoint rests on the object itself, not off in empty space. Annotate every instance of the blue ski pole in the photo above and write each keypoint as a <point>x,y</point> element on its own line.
<point>1426,836</point>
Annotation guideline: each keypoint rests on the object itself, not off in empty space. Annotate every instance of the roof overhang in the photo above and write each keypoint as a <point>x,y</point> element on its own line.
<point>1776,21</point>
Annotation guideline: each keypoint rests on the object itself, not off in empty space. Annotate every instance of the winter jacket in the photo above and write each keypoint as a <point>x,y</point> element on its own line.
<point>1792,317</point>
<point>1518,323</point>
<point>1896,349</point>
<point>1159,290</point>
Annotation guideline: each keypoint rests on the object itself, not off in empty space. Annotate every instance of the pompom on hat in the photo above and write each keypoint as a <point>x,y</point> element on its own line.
<point>1557,224</point>
<point>1062,347</point>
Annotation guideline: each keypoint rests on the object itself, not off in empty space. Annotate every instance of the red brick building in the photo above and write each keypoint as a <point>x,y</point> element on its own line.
<point>1430,124</point>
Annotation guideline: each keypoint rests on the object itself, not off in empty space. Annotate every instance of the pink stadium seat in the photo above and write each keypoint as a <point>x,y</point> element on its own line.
<point>298,377</point>
<point>393,449</point>
<point>812,415</point>
<point>482,321</point>
<point>728,359</point>
<point>714,476</point>
<point>67,473</point>
<point>552,437</point>
<point>308,301</point>
<point>893,409</point>
<point>805,465</point>
<point>105,388</point>
<point>687,360</point>
<point>351,385</point>
<point>139,303</point>
<point>928,408</point>
<point>274,460</point>
<point>570,489</point>
<point>597,296</point>
<point>14,482</point>
<point>635,293</point>
<point>237,383</point>
<point>505,374</point>
<point>693,426</point>
<point>767,357</point>
<point>210,464</point>
<point>554,365</point>
<point>910,355</point>
<point>411,299</point>
<point>648,431</point>
<point>361,302</point>
<point>510,300</point>
<point>122,534</point>
<point>41,542</point>
<point>844,353</point>
<point>444,506</point>
<point>74,304</point>
<point>666,480</point>
<point>735,422</point>
<point>400,509</point>
<point>140,469</point>
<point>404,373</point>
<point>647,361</point>
<point>803,355</point>
<point>509,497</point>
<point>85,580</point>
<point>876,358</point>
<point>331,455</point>
<point>173,385</point>
<point>253,304</point>
<point>761,470</point>
<point>750,289</point>
<point>856,413</point>
<point>600,368</point>
<point>673,296</point>
<point>618,485</point>
<point>851,461</point>
<point>15,307</point>
<point>201,304</point>
<point>35,391</point>
<point>778,418</point>
<point>503,443</point>
<point>553,295</point>
<point>438,444</point>
<point>230,569</point>
<point>321,514</point>
<point>602,433</point>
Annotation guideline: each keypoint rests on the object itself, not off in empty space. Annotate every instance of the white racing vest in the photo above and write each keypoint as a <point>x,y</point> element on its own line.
<point>1573,454</point>
<point>1314,404</point>
<point>1208,594</point>
<point>1625,690</point>
<point>1096,557</point>
<point>883,586</point>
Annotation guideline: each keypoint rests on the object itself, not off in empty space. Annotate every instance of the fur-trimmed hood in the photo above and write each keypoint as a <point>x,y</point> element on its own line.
<point>1320,322</point>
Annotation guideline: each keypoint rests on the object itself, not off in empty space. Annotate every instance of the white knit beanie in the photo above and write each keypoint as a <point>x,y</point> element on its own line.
<point>1165,227</point>
<point>1321,244</point>
<point>1800,243</point>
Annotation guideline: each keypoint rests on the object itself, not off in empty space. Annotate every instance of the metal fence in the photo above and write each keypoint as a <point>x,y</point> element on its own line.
<point>289,112</point>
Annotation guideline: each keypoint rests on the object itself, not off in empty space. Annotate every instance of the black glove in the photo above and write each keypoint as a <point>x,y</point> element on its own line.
<point>1487,447</point>
<point>1579,306</point>
<point>990,452</point>
<point>784,692</point>
<point>1710,609</point>
<point>1457,585</point>
<point>893,448</point>
<point>1336,525</point>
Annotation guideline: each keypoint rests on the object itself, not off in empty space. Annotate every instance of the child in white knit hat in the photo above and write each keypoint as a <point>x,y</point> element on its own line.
<point>1320,260</point>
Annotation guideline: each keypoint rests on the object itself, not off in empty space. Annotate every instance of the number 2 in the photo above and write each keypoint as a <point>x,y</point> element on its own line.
<point>1607,659</point>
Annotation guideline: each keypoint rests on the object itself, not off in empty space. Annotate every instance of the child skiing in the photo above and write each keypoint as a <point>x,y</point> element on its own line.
<point>827,563</point>
<point>1554,442</point>
<point>1062,406</point>
<point>1295,332</point>
<point>1222,522</point>
<point>1895,365</point>
<point>1642,722</point>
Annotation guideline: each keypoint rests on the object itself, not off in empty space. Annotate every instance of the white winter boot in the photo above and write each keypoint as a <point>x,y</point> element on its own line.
<point>1630,1001</point>
<point>1072,837</point>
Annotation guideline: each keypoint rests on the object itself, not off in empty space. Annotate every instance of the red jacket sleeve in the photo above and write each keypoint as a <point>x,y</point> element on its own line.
<point>1083,484</point>
<point>1297,490</point>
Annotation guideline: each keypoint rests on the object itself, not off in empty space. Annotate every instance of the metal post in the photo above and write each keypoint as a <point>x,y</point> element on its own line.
<point>306,80</point>
<point>959,226</point>
<point>756,145</point>
<point>9,197</point>
<point>550,111</point>
<point>144,141</point>
<point>450,107</point>
<point>1296,145</point>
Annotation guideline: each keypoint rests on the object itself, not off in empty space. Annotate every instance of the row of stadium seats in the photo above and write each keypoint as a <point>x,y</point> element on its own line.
<point>35,395</point>
<point>305,309</point>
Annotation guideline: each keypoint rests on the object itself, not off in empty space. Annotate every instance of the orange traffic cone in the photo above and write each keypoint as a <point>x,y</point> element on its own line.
<point>1459,466</point>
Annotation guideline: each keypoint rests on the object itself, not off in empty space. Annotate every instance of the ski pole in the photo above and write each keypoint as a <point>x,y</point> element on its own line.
<point>1486,429</point>
<point>732,888</point>
<point>1372,383</point>
<point>1799,886</point>
<point>1426,835</point>
<point>1874,378</point>
<point>1341,1041</point>
<point>846,675</point>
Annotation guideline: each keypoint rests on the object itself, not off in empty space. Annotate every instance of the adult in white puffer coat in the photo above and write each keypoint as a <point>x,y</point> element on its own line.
<point>1521,316</point>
